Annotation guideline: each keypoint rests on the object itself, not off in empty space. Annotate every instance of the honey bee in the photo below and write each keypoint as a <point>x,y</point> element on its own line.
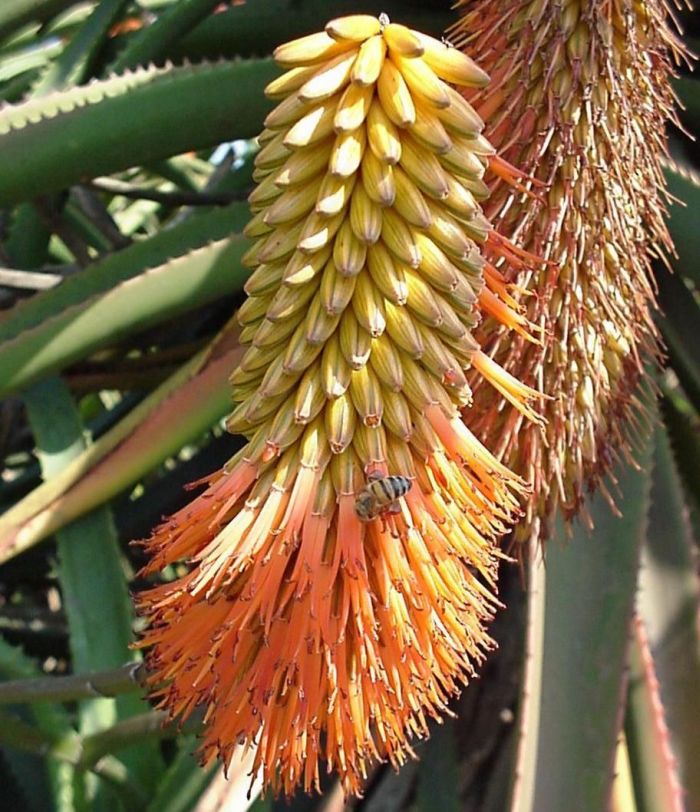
<point>380,495</point>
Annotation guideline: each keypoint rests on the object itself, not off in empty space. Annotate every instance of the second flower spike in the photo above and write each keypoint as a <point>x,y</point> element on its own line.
<point>313,623</point>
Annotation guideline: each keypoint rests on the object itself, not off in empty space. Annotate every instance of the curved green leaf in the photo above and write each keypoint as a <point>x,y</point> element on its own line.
<point>88,547</point>
<point>105,274</point>
<point>28,59</point>
<point>59,437</point>
<point>49,143</point>
<point>16,89</point>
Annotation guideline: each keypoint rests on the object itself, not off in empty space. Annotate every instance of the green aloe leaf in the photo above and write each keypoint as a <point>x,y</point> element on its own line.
<point>668,604</point>
<point>59,438</point>
<point>52,142</point>
<point>590,586</point>
<point>15,90</point>
<point>142,285</point>
<point>23,774</point>
<point>180,410</point>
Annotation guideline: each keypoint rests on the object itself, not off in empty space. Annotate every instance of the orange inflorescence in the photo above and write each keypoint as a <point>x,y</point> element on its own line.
<point>580,97</point>
<point>306,627</point>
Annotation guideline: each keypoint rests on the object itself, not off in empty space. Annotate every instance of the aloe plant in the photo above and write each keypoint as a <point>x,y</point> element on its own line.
<point>126,157</point>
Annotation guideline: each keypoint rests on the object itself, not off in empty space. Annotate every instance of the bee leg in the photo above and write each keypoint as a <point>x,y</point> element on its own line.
<point>387,517</point>
<point>386,525</point>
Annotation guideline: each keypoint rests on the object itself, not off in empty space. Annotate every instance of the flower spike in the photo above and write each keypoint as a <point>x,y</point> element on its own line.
<point>580,98</point>
<point>343,565</point>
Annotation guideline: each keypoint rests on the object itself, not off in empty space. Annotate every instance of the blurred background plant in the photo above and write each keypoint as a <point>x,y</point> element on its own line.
<point>125,163</point>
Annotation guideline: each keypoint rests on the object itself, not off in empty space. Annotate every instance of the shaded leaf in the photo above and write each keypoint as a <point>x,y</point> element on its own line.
<point>23,781</point>
<point>151,42</point>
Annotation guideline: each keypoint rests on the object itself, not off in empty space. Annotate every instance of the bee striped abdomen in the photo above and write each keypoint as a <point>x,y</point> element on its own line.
<point>389,488</point>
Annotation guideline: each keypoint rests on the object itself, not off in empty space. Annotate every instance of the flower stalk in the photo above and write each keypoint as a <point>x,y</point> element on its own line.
<point>114,682</point>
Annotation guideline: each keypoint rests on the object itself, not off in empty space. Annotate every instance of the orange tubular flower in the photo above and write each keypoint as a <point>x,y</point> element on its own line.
<point>328,613</point>
<point>579,99</point>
